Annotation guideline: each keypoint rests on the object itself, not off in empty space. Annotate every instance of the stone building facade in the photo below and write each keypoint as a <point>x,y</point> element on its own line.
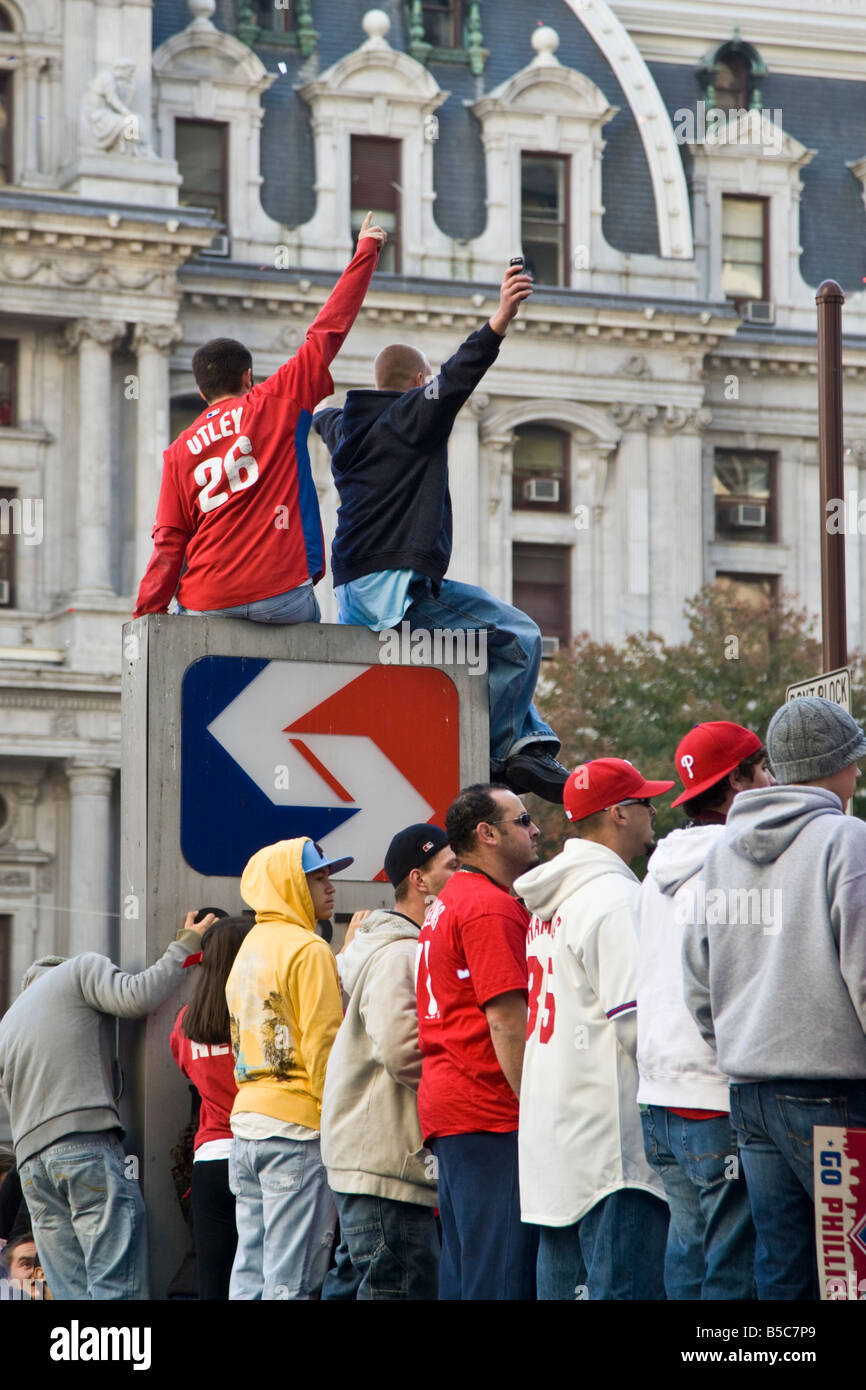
<point>174,170</point>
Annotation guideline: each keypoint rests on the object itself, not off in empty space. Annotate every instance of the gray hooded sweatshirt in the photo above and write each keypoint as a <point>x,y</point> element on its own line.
<point>371,1137</point>
<point>774,943</point>
<point>57,1042</point>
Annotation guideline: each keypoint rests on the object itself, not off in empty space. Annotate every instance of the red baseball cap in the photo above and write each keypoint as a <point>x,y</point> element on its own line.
<point>596,785</point>
<point>710,751</point>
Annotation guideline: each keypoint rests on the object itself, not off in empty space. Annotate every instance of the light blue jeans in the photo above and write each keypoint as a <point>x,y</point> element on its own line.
<point>513,658</point>
<point>285,1217</point>
<point>88,1219</point>
<point>296,606</point>
<point>710,1252</point>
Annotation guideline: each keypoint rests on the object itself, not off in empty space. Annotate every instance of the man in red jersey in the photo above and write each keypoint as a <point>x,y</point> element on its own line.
<point>471,989</point>
<point>237,500</point>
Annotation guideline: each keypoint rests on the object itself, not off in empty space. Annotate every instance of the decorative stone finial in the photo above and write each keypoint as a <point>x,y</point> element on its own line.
<point>545,41</point>
<point>376,25</point>
<point>201,11</point>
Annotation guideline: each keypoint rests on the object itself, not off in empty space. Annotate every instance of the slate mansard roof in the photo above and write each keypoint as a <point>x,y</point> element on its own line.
<point>825,115</point>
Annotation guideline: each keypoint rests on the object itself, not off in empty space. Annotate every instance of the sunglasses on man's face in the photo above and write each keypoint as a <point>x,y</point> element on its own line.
<point>638,801</point>
<point>525,820</point>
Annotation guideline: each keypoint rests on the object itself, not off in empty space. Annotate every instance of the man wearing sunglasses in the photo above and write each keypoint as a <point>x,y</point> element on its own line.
<point>584,1178</point>
<point>471,988</point>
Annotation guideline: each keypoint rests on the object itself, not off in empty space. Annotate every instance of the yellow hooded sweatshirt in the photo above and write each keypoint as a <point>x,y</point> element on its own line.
<point>283,993</point>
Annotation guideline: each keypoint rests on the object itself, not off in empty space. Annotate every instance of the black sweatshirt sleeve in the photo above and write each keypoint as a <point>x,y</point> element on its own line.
<point>424,416</point>
<point>327,424</point>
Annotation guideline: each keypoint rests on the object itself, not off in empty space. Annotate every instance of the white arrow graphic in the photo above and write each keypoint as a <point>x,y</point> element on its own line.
<point>251,730</point>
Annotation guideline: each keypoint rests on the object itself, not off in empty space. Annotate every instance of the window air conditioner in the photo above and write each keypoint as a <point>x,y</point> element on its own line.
<point>549,646</point>
<point>5,592</point>
<point>220,246</point>
<point>541,490</point>
<point>759,311</point>
<point>748,514</point>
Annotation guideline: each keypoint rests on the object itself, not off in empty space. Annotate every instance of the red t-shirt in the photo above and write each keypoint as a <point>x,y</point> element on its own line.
<point>237,499</point>
<point>472,947</point>
<point>211,1069</point>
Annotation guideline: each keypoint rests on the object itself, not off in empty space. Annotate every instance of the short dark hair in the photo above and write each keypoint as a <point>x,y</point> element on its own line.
<point>716,795</point>
<point>401,892</point>
<point>473,804</point>
<point>206,1019</point>
<point>23,1238</point>
<point>590,825</point>
<point>218,367</point>
<point>7,1160</point>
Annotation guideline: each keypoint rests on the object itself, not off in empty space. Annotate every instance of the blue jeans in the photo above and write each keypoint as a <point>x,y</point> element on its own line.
<point>296,606</point>
<point>285,1216</point>
<point>615,1251</point>
<point>487,1251</point>
<point>774,1122</point>
<point>88,1218</point>
<point>393,1247</point>
<point>513,658</point>
<point>711,1239</point>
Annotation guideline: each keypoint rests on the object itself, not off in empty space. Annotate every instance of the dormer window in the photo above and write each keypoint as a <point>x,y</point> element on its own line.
<point>730,76</point>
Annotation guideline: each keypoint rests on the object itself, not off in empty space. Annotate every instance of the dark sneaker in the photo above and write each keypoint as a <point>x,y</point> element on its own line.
<point>533,769</point>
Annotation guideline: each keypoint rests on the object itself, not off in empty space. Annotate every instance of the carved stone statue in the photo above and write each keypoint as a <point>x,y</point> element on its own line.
<point>107,123</point>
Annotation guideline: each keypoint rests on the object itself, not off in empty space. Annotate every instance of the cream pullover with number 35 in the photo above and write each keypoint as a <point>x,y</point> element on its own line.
<point>580,1135</point>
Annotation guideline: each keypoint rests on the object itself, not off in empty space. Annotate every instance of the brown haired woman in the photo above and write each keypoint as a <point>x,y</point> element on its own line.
<point>200,1045</point>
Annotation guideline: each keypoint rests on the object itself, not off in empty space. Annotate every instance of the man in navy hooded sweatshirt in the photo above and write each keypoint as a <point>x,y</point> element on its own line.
<point>389,457</point>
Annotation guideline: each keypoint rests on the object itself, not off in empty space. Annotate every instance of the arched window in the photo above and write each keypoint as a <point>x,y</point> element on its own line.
<point>6,25</point>
<point>730,76</point>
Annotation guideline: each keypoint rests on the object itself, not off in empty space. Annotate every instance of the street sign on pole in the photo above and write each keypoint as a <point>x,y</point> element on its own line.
<point>834,685</point>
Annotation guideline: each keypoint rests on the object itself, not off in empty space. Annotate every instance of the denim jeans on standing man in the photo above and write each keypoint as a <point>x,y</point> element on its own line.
<point>711,1240</point>
<point>393,1248</point>
<point>285,1216</point>
<point>88,1218</point>
<point>487,1251</point>
<point>513,658</point>
<point>615,1251</point>
<point>774,1122</point>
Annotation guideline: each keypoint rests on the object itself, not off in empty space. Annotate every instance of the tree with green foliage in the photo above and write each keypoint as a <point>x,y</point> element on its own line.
<point>638,699</point>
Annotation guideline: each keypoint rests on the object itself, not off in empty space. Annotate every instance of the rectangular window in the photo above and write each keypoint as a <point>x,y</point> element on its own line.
<point>200,149</point>
<point>8,382</point>
<point>744,491</point>
<point>9,514</point>
<point>5,958</point>
<point>745,262</point>
<point>443,23</point>
<point>5,127</point>
<point>544,217</point>
<point>540,480</point>
<point>542,587</point>
<point>274,16</point>
<point>376,177</point>
<point>756,590</point>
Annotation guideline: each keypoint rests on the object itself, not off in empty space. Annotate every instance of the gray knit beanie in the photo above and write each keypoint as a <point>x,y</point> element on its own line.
<point>810,738</point>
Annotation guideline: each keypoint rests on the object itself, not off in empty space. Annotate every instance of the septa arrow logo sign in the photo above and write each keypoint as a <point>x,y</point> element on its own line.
<point>346,754</point>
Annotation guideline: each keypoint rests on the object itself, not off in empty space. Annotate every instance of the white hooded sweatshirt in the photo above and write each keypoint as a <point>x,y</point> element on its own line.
<point>580,1136</point>
<point>677,1067</point>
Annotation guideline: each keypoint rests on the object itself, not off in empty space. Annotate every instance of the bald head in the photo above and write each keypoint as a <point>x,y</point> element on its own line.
<point>398,366</point>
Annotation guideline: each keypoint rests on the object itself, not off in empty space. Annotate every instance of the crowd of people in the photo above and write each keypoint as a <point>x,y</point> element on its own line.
<point>525,1081</point>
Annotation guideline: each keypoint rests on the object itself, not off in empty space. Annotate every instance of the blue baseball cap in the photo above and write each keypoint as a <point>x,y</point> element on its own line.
<point>313,858</point>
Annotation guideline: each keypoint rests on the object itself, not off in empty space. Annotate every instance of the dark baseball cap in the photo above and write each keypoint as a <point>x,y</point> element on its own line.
<point>412,847</point>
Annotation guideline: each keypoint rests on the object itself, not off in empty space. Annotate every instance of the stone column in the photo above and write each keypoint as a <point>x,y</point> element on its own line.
<point>677,518</point>
<point>465,487</point>
<point>94,340</point>
<point>90,898</point>
<point>152,342</point>
<point>631,612</point>
<point>587,574</point>
<point>496,493</point>
<point>32,69</point>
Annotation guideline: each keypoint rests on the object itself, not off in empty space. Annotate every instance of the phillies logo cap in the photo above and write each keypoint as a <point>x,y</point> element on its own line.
<point>603,782</point>
<point>709,752</point>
